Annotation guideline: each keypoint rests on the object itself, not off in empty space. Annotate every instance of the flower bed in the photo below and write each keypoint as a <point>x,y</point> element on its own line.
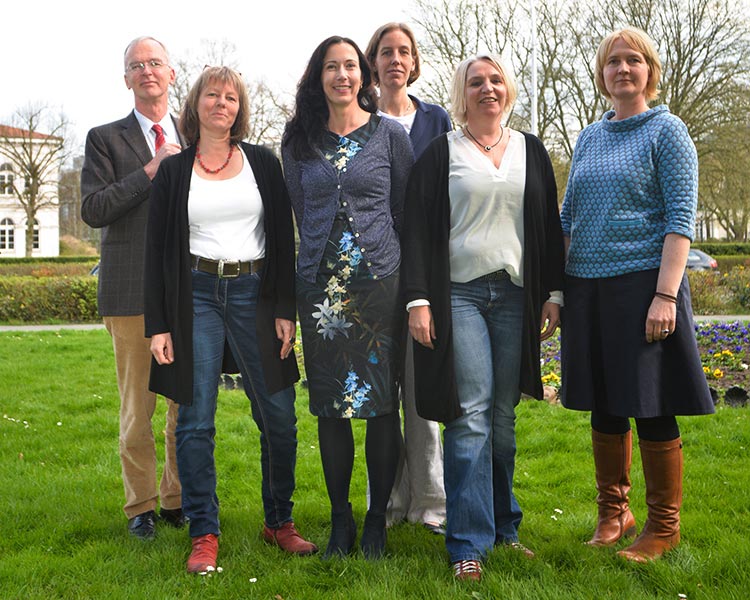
<point>725,355</point>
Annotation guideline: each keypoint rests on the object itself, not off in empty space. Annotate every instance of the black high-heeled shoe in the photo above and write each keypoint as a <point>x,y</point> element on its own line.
<point>343,534</point>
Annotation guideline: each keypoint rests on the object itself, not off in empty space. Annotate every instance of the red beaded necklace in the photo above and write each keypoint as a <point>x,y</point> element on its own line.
<point>205,168</point>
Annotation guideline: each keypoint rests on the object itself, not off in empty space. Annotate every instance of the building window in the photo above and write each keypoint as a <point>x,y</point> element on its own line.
<point>6,178</point>
<point>7,234</point>
<point>6,183</point>
<point>35,236</point>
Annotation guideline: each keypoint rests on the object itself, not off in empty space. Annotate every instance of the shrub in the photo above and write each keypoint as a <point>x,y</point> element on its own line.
<point>726,263</point>
<point>708,295</point>
<point>719,248</point>
<point>47,269</point>
<point>72,246</point>
<point>738,281</point>
<point>716,294</point>
<point>32,299</point>
<point>36,260</point>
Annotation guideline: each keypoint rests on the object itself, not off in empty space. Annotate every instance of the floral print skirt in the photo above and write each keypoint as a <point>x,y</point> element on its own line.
<point>351,323</point>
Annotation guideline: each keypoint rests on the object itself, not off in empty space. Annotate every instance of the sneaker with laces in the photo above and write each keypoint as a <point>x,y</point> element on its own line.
<point>519,547</point>
<point>467,570</point>
<point>203,556</point>
<point>288,539</point>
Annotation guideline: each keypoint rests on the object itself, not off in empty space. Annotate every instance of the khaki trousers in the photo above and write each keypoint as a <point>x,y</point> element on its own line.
<point>137,405</point>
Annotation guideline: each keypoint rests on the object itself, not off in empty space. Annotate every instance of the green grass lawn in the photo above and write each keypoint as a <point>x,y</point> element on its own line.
<point>64,533</point>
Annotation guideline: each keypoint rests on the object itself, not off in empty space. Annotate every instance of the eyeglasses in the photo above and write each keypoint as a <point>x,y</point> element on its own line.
<point>138,67</point>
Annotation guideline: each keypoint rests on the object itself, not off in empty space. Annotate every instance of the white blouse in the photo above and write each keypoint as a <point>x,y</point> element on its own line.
<point>486,217</point>
<point>226,217</point>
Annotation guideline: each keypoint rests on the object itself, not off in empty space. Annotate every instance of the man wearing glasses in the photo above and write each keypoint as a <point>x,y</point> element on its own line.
<point>121,160</point>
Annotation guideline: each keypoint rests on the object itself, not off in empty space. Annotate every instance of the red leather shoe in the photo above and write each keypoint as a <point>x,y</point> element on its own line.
<point>288,539</point>
<point>203,556</point>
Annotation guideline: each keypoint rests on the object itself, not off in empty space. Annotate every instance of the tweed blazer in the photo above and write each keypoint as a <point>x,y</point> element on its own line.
<point>114,198</point>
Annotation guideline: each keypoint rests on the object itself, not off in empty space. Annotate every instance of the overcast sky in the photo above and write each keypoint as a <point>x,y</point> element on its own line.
<point>70,54</point>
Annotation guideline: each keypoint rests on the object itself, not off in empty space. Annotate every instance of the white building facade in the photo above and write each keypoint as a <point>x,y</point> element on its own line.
<point>13,219</point>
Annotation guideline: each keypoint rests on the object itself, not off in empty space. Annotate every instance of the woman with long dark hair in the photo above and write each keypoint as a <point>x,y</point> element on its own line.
<point>346,170</point>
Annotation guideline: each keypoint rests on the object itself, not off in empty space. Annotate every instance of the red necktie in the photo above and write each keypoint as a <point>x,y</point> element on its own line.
<point>160,141</point>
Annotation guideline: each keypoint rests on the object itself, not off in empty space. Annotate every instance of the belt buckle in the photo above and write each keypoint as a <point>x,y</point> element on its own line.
<point>220,269</point>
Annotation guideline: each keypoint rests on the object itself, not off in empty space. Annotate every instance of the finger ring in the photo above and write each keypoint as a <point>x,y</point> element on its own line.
<point>291,340</point>
<point>665,331</point>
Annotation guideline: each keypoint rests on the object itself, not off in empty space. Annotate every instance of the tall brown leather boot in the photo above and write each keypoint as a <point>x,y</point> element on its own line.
<point>612,456</point>
<point>662,469</point>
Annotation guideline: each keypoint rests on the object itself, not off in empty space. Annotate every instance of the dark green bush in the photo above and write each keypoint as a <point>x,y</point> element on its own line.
<point>33,299</point>
<point>35,260</point>
<point>721,248</point>
<point>727,263</point>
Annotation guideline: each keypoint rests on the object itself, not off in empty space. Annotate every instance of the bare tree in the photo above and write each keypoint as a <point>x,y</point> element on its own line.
<point>70,202</point>
<point>724,168</point>
<point>187,68</point>
<point>704,45</point>
<point>268,110</point>
<point>34,145</point>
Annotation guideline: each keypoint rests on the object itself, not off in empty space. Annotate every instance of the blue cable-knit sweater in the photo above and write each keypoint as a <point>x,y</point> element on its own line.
<point>631,182</point>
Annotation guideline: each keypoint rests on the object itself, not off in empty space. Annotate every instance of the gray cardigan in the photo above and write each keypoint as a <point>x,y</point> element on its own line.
<point>371,190</point>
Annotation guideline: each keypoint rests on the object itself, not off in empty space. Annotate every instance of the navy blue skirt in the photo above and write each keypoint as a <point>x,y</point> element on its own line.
<point>607,362</point>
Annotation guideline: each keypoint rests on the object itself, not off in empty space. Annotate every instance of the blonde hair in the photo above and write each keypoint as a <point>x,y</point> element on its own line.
<point>458,85</point>
<point>638,40</point>
<point>189,121</point>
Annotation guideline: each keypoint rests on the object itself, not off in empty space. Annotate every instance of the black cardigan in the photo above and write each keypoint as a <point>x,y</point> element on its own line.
<point>168,296</point>
<point>426,270</point>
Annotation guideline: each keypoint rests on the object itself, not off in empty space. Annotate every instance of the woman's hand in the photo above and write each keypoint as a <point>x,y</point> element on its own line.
<point>550,319</point>
<point>421,325</point>
<point>286,331</point>
<point>662,314</point>
<point>162,349</point>
<point>661,320</point>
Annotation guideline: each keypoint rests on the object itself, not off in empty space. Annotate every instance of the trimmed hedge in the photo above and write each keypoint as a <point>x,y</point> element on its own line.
<point>727,263</point>
<point>40,299</point>
<point>722,248</point>
<point>50,259</point>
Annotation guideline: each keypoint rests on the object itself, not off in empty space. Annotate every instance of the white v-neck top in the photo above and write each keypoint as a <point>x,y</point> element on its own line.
<point>486,218</point>
<point>226,216</point>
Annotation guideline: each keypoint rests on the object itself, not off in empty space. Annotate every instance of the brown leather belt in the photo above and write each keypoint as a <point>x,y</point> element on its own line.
<point>495,276</point>
<point>226,268</point>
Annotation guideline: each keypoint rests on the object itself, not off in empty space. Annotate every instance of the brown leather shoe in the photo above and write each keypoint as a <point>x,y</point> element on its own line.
<point>662,470</point>
<point>467,570</point>
<point>612,458</point>
<point>203,556</point>
<point>288,539</point>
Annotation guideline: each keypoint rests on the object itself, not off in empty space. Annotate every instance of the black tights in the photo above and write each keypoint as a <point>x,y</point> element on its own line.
<point>337,454</point>
<point>653,429</point>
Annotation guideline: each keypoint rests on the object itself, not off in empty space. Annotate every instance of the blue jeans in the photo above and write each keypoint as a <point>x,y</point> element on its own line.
<point>224,309</point>
<point>480,446</point>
